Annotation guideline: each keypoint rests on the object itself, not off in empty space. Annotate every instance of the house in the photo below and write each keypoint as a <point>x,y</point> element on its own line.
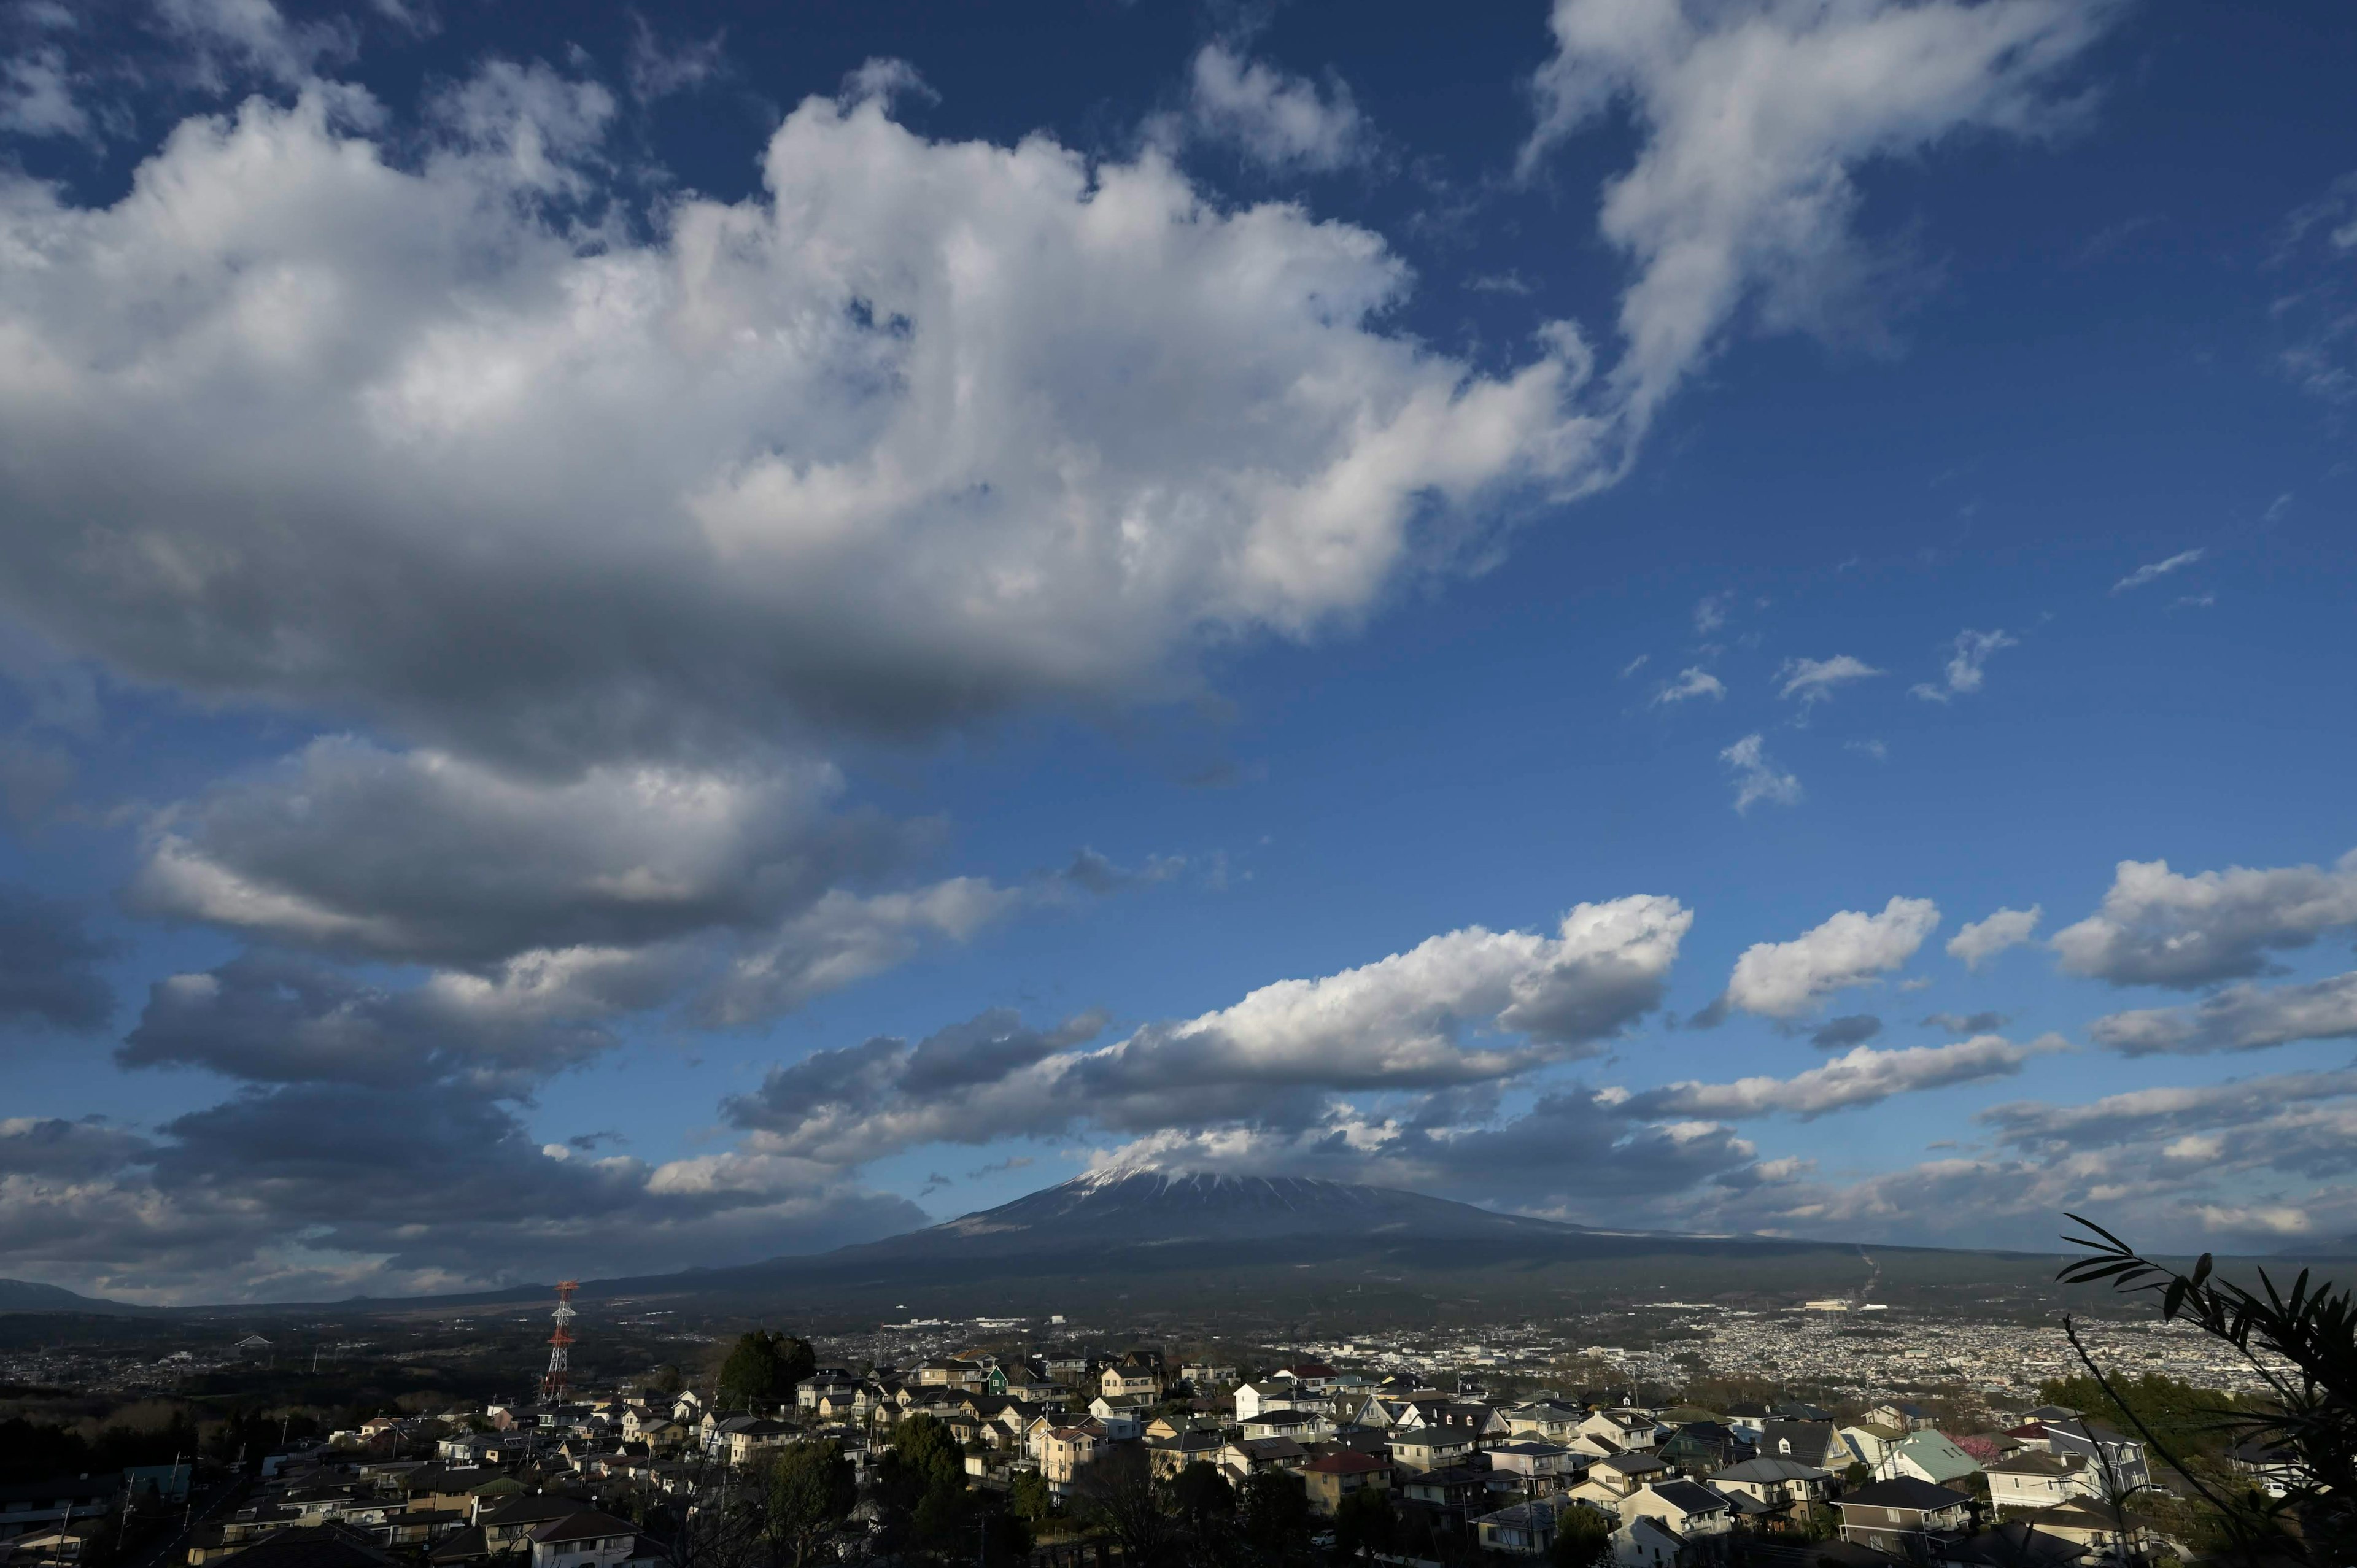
<point>2011,1544</point>
<point>1616,1476</point>
<point>1689,1508</point>
<point>1169,1454</point>
<point>1460,1488</point>
<point>1903,1516</point>
<point>1249,1455</point>
<point>1647,1543</point>
<point>1904,1415</point>
<point>1301,1425</point>
<point>1625,1429</point>
<point>1310,1377</point>
<point>1273,1393</point>
<point>1544,1420</point>
<point>1929,1457</point>
<point>2276,1469</point>
<point>747,1440</point>
<point>507,1524</point>
<point>29,1505</point>
<point>1130,1382</point>
<point>2034,1478</point>
<point>1785,1485</point>
<point>1429,1448</point>
<point>2118,1459</point>
<point>1869,1442</point>
<point>1810,1441</point>
<point>313,1546</point>
<point>1699,1447</point>
<point>1065,1451</point>
<point>1331,1477</point>
<point>1526,1530</point>
<point>593,1540</point>
<point>2096,1526</point>
<point>1543,1469</point>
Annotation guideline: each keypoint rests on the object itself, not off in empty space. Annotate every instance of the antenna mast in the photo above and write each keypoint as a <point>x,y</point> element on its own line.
<point>559,1376</point>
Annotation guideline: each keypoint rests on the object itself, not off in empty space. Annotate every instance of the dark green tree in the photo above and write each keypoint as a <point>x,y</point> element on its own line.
<point>1275,1516</point>
<point>811,1492</point>
<point>2302,1343</point>
<point>1583,1539</point>
<point>763,1370</point>
<point>1029,1498</point>
<point>1118,1495</point>
<point>1364,1523</point>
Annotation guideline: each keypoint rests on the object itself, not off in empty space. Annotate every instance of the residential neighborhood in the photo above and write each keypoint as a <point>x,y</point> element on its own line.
<point>1032,1452</point>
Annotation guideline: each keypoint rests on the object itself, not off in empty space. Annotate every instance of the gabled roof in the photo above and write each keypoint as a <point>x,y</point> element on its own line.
<point>314,1546</point>
<point>586,1525</point>
<point>1689,1497</point>
<point>2037,1462</point>
<point>1771,1468</point>
<point>1904,1492</point>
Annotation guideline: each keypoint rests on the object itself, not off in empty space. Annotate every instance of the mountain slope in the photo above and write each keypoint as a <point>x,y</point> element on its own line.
<point>30,1295</point>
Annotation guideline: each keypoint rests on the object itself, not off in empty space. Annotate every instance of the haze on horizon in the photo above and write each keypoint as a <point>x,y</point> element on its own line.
<point>664,639</point>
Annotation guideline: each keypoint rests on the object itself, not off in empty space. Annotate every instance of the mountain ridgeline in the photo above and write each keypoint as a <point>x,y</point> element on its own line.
<point>1147,1244</point>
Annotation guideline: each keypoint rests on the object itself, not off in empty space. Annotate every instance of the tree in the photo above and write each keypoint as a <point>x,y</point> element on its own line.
<point>764,1369</point>
<point>1364,1522</point>
<point>811,1492</point>
<point>1275,1516</point>
<point>2303,1344</point>
<point>1118,1495</point>
<point>1029,1498</point>
<point>1582,1538</point>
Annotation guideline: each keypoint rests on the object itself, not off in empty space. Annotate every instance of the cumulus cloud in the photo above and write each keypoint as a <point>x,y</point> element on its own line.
<point>1283,121</point>
<point>37,95</point>
<point>1692,682</point>
<point>1468,1007</point>
<point>1977,941</point>
<point>1752,119</point>
<point>1814,679</point>
<point>1966,1023</point>
<point>2157,927</point>
<point>1785,979</point>
<point>1962,673</point>
<point>49,973</point>
<point>2153,571</point>
<point>1862,1076</point>
<point>865,451</point>
<point>1756,777</point>
<point>2239,1018</point>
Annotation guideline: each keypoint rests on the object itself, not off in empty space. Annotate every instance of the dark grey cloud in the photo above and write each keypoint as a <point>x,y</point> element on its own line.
<point>316,1190</point>
<point>268,1017</point>
<point>426,857</point>
<point>2158,927</point>
<point>1850,1029</point>
<point>50,964</point>
<point>2239,1018</point>
<point>1967,1023</point>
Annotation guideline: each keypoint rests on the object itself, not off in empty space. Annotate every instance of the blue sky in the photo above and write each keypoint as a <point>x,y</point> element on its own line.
<point>635,639</point>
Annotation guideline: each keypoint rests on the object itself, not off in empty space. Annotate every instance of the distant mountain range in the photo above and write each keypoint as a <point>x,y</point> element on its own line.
<point>1144,1243</point>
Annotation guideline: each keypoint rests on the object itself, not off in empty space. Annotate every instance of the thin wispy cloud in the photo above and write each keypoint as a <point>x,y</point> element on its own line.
<point>2153,571</point>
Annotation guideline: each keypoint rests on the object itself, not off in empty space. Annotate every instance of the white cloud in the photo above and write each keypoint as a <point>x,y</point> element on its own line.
<point>1468,1007</point>
<point>1977,941</point>
<point>868,450</point>
<point>1710,612</point>
<point>2239,1018</point>
<point>1785,979</point>
<point>1278,120</point>
<point>1862,1076</point>
<point>1753,117</point>
<point>1813,679</point>
<point>1755,778</point>
<point>1692,682</point>
<point>2155,570</point>
<point>2156,926</point>
<point>1963,674</point>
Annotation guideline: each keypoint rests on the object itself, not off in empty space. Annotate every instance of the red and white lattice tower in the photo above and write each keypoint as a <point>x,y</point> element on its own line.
<point>559,1376</point>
